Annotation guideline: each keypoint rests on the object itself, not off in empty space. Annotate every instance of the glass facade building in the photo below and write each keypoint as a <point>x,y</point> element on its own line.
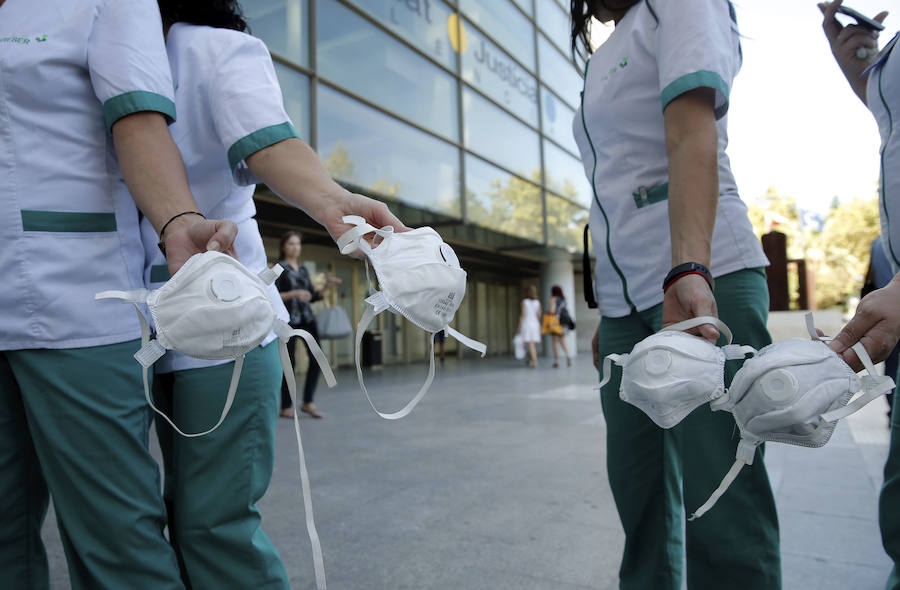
<point>458,114</point>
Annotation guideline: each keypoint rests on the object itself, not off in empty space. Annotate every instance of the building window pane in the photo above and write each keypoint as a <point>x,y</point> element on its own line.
<point>488,68</point>
<point>554,21</point>
<point>283,25</point>
<point>502,202</point>
<point>558,72</point>
<point>424,23</point>
<point>565,223</point>
<point>505,24</point>
<point>525,5</point>
<point>358,56</point>
<point>557,118</point>
<point>295,89</point>
<point>565,175</point>
<point>376,152</point>
<point>498,136</point>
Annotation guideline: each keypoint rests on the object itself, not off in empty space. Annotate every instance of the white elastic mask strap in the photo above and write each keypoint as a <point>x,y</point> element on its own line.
<point>366,319</point>
<point>352,238</point>
<point>469,342</point>
<point>151,351</point>
<point>723,487</point>
<point>699,321</point>
<point>745,452</point>
<point>147,348</point>
<point>283,336</point>
<point>873,386</point>
<point>607,366</point>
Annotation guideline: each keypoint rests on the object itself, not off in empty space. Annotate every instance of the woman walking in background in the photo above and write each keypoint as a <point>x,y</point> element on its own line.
<point>530,323</point>
<point>298,293</point>
<point>560,310</point>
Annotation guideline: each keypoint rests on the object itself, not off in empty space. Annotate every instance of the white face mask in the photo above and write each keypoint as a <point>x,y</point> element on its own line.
<point>793,392</point>
<point>214,308</point>
<point>670,374</point>
<point>420,279</point>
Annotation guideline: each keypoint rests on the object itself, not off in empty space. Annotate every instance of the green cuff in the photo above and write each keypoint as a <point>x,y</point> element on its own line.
<point>699,79</point>
<point>259,139</point>
<point>134,102</point>
<point>644,196</point>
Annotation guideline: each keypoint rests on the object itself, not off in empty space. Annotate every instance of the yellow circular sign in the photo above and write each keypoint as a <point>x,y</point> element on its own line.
<point>457,32</point>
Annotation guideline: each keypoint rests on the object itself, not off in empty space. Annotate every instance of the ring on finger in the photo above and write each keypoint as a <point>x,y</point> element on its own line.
<point>864,52</point>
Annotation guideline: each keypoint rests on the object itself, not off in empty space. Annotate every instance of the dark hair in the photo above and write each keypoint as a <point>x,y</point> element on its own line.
<point>222,14</point>
<point>284,238</point>
<point>556,291</point>
<point>581,12</point>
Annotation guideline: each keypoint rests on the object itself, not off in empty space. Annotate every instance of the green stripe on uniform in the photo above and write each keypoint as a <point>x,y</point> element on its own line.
<point>67,221</point>
<point>134,102</point>
<point>699,79</point>
<point>159,273</point>
<point>259,139</point>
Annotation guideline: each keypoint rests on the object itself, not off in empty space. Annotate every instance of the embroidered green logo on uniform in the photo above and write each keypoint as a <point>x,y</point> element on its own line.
<point>22,40</point>
<point>41,39</point>
<point>622,65</point>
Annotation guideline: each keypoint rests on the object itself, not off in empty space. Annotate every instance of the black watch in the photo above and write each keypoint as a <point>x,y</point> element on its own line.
<point>688,268</point>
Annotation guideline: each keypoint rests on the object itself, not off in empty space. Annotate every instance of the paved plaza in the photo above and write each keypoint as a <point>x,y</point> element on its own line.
<point>497,481</point>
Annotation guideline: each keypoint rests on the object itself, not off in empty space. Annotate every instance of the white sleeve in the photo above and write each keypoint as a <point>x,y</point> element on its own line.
<point>698,47</point>
<point>127,60</point>
<point>246,103</point>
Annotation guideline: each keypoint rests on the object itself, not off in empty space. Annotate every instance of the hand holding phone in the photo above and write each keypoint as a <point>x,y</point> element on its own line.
<point>861,19</point>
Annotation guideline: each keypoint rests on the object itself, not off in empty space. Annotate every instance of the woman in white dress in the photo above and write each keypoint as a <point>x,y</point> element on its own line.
<point>530,323</point>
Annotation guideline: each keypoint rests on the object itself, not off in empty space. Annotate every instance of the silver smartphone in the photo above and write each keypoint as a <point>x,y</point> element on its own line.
<point>861,19</point>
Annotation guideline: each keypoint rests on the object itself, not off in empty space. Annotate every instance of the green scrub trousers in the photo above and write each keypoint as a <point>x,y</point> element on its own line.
<point>657,475</point>
<point>74,423</point>
<point>213,482</point>
<point>889,501</point>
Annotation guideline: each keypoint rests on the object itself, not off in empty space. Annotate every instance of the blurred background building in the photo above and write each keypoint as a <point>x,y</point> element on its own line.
<point>456,113</point>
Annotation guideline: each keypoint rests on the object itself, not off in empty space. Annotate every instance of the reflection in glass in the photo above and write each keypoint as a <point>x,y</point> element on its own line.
<point>356,55</point>
<point>501,20</point>
<point>488,68</point>
<point>557,120</point>
<point>565,223</point>
<point>565,175</point>
<point>424,23</point>
<point>558,72</point>
<point>498,136</point>
<point>502,202</point>
<point>554,21</point>
<point>283,25</point>
<point>295,89</point>
<point>376,152</point>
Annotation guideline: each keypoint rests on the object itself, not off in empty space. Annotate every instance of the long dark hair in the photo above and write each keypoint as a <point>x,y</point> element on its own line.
<point>581,11</point>
<point>556,291</point>
<point>284,238</point>
<point>222,14</point>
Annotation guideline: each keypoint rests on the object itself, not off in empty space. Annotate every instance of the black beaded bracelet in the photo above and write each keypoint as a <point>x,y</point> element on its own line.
<point>688,268</point>
<point>161,243</point>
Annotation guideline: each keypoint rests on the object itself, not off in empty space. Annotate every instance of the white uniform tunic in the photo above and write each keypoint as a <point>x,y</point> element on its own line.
<point>883,97</point>
<point>630,79</point>
<point>230,106</point>
<point>68,70</point>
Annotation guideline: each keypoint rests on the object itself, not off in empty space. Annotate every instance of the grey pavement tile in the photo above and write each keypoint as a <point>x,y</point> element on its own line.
<point>833,538</point>
<point>801,572</point>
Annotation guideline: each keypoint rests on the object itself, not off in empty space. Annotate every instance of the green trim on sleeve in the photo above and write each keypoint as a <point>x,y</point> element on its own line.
<point>699,79</point>
<point>883,179</point>
<point>134,102</point>
<point>67,221</point>
<point>259,139</point>
<point>159,273</point>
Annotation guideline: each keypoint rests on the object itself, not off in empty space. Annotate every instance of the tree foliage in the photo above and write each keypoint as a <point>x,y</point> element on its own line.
<point>837,252</point>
